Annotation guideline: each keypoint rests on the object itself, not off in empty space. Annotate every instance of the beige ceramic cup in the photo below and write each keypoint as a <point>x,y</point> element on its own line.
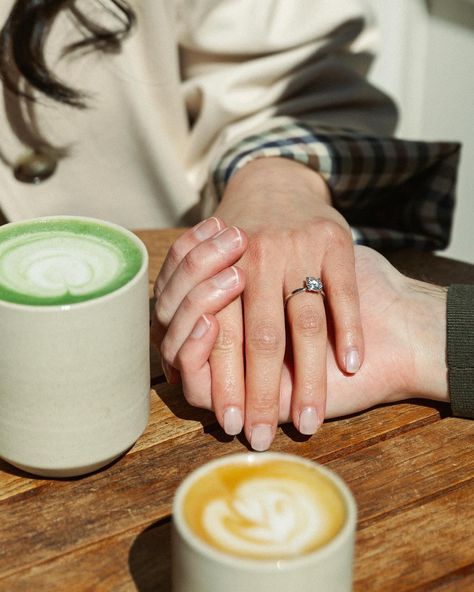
<point>198,566</point>
<point>74,379</point>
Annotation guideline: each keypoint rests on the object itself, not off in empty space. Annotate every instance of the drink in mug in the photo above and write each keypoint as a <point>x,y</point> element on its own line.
<point>270,522</point>
<point>74,361</point>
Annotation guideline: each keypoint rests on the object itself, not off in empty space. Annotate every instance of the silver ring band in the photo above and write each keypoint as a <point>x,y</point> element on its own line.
<point>311,284</point>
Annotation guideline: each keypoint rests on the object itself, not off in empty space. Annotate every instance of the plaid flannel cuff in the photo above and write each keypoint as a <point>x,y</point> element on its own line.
<point>394,193</point>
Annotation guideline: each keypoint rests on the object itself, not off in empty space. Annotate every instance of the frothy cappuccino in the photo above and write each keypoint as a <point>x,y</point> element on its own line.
<point>264,509</point>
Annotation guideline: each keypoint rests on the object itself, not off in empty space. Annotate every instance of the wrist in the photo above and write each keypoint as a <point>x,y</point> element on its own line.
<point>278,175</point>
<point>427,335</point>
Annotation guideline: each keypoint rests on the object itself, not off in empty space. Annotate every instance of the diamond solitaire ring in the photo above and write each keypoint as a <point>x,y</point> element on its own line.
<point>311,284</point>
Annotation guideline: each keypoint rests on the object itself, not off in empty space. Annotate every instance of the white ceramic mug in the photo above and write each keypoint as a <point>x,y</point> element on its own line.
<point>74,378</point>
<point>275,507</point>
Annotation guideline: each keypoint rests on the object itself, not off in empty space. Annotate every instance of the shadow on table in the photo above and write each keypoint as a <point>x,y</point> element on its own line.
<point>149,559</point>
<point>12,470</point>
<point>178,406</point>
<point>6,467</point>
<point>172,396</point>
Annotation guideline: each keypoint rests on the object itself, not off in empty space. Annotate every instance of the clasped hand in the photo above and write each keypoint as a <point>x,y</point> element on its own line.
<point>222,320</point>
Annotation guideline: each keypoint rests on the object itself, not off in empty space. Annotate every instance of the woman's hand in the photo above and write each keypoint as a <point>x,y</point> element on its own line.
<point>293,233</point>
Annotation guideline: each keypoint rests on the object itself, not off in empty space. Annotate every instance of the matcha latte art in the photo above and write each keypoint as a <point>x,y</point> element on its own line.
<point>55,261</point>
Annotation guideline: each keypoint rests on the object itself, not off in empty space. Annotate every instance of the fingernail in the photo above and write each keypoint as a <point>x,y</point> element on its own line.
<point>229,278</point>
<point>233,422</point>
<point>228,239</point>
<point>309,421</point>
<point>352,361</point>
<point>207,228</point>
<point>201,327</point>
<point>261,437</point>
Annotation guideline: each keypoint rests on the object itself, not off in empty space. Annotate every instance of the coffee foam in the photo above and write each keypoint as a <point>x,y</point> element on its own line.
<point>276,509</point>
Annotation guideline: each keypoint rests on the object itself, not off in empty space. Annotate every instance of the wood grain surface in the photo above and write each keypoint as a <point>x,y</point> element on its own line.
<point>410,467</point>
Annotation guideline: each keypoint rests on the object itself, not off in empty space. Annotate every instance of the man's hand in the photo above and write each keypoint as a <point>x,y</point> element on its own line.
<point>404,324</point>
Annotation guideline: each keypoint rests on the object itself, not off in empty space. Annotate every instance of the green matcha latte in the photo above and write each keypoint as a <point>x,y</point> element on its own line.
<point>53,261</point>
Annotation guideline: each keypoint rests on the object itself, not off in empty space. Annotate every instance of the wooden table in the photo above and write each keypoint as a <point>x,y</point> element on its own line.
<point>410,466</point>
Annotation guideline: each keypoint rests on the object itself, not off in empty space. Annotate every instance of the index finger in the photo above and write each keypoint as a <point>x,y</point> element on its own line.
<point>181,247</point>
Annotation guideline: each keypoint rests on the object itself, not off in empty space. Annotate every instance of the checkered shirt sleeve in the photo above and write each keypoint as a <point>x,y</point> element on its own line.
<point>394,193</point>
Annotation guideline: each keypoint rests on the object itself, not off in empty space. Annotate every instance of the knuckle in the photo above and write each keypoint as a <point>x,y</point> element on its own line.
<point>192,262</point>
<point>189,303</point>
<point>337,236</point>
<point>174,255</point>
<point>346,293</point>
<point>227,389</point>
<point>196,394</point>
<point>333,232</point>
<point>228,340</point>
<point>194,399</point>
<point>158,288</point>
<point>308,321</point>
<point>260,249</point>
<point>161,316</point>
<point>166,352</point>
<point>265,338</point>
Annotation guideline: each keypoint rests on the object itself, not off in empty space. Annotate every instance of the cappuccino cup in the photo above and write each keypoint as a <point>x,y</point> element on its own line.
<point>74,359</point>
<point>271,522</point>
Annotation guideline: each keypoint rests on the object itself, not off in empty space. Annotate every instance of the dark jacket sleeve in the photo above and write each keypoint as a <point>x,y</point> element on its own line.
<point>460,346</point>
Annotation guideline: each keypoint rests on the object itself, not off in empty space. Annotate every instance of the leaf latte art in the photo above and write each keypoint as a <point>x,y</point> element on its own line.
<point>59,265</point>
<point>266,511</point>
<point>270,517</point>
<point>63,261</point>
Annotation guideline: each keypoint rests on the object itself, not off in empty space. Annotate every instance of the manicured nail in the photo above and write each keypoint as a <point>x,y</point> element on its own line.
<point>261,437</point>
<point>201,327</point>
<point>207,228</point>
<point>233,422</point>
<point>228,239</point>
<point>352,361</point>
<point>229,278</point>
<point>309,421</point>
